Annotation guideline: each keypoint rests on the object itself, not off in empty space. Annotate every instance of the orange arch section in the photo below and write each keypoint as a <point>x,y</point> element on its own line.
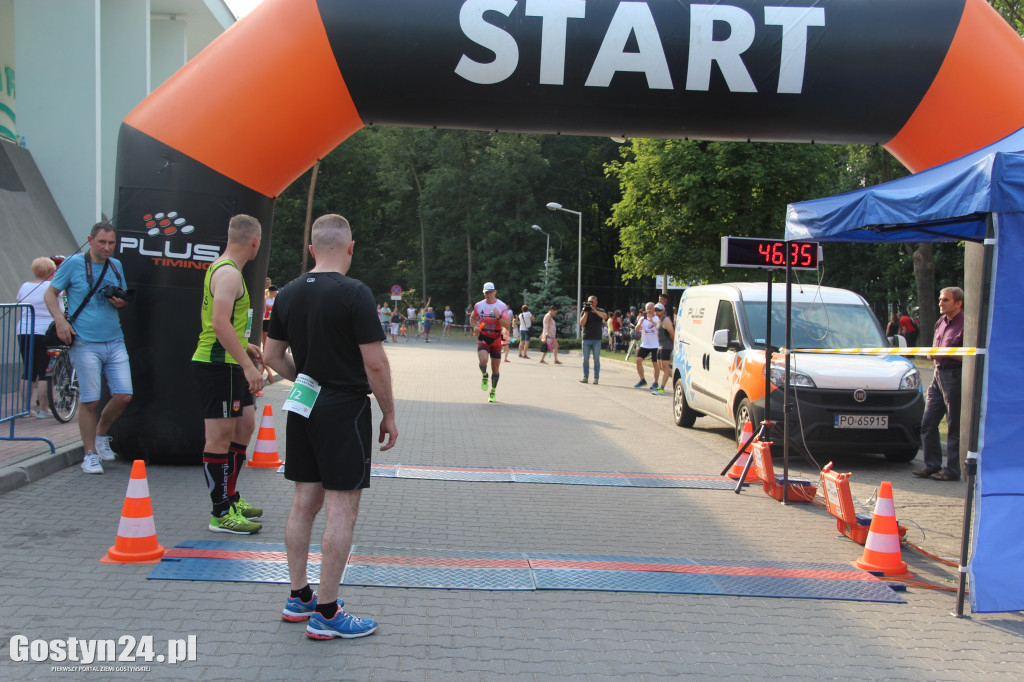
<point>257,104</point>
<point>984,65</point>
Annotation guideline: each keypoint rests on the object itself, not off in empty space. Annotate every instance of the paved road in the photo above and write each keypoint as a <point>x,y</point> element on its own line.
<point>55,529</point>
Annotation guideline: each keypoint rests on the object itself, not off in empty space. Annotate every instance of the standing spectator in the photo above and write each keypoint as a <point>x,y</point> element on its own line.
<point>525,321</point>
<point>548,339</point>
<point>666,338</point>
<point>428,323</point>
<point>615,335</point>
<point>632,319</point>
<point>648,328</point>
<point>411,317</point>
<point>385,319</point>
<point>329,435</point>
<point>592,321</point>
<point>910,329</point>
<point>943,399</point>
<point>468,320</point>
<point>494,317</point>
<point>396,322</point>
<point>229,370</point>
<point>893,328</point>
<point>449,320</point>
<point>96,340</point>
<point>670,312</point>
<point>34,334</point>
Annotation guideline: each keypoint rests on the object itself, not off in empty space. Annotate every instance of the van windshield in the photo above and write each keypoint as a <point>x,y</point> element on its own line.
<point>816,325</point>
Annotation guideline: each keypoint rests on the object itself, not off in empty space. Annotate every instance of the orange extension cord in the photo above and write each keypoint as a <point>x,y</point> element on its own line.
<point>911,581</point>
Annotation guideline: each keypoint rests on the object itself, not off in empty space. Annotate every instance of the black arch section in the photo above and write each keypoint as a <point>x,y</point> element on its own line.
<point>866,71</point>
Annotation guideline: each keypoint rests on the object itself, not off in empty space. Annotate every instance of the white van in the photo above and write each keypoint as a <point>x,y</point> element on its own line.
<point>843,403</point>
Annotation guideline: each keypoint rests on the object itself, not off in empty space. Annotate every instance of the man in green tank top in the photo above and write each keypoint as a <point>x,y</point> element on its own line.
<point>225,366</point>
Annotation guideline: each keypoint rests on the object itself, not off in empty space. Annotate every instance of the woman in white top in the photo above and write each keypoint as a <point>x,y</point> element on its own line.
<point>648,328</point>
<point>33,333</point>
<point>525,320</point>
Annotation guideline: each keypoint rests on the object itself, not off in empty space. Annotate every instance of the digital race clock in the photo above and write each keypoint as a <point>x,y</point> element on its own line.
<point>753,252</point>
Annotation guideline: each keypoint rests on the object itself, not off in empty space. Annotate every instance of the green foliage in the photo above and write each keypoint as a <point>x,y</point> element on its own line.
<point>546,294</point>
<point>443,211</point>
<point>680,197</point>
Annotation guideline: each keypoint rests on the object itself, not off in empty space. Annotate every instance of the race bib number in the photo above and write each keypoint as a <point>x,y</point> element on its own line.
<point>303,395</point>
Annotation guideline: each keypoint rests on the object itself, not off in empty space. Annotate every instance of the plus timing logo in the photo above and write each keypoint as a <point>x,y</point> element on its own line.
<point>162,250</point>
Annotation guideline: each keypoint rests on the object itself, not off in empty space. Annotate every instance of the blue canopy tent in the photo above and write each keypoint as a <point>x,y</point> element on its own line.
<point>978,197</point>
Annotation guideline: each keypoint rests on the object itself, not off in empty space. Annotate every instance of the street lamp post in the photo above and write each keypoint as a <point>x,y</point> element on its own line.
<point>547,252</point>
<point>553,206</point>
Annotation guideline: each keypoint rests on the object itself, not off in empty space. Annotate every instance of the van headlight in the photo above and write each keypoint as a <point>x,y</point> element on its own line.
<point>795,378</point>
<point>911,381</point>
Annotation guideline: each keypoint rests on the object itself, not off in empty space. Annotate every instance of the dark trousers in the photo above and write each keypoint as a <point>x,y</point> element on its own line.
<point>943,400</point>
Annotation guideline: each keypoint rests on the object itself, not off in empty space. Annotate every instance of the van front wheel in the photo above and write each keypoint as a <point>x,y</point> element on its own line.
<point>681,410</point>
<point>743,413</point>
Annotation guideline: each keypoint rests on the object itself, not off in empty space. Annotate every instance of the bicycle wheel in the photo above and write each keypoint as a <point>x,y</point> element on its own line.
<point>62,388</point>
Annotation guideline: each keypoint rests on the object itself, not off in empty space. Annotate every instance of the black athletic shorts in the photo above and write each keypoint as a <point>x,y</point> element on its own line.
<point>492,345</point>
<point>664,354</point>
<point>223,389</point>
<point>644,352</point>
<point>333,445</point>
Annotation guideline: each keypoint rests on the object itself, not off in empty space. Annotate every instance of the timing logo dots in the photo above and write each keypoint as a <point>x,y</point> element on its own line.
<point>167,224</point>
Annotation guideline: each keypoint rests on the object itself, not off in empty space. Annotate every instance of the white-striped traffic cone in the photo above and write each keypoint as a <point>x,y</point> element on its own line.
<point>264,455</point>
<point>136,533</point>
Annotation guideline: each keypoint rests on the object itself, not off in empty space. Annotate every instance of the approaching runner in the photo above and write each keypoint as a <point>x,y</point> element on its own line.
<point>490,316</point>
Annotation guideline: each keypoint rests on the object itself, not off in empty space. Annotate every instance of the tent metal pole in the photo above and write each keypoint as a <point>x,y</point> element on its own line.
<point>971,465</point>
<point>768,353</point>
<point>785,388</point>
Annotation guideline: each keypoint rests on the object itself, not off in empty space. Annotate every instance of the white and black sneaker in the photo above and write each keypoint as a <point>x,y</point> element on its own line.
<point>103,448</point>
<point>91,463</point>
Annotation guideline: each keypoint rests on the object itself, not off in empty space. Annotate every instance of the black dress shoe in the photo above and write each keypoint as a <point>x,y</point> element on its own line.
<point>943,476</point>
<point>924,473</point>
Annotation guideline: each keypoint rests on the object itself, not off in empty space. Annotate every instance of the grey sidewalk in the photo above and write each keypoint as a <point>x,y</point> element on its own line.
<point>55,529</point>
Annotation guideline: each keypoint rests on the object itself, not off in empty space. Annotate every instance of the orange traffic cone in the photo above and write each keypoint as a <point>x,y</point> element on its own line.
<point>882,548</point>
<point>264,455</point>
<point>136,533</point>
<point>741,461</point>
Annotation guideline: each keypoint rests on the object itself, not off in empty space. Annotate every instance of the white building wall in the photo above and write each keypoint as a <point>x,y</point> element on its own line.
<point>124,79</point>
<point>8,115</point>
<point>82,66</point>
<point>57,55</point>
<point>168,47</point>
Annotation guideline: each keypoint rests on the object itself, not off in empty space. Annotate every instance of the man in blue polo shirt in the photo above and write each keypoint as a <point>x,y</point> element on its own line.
<point>95,337</point>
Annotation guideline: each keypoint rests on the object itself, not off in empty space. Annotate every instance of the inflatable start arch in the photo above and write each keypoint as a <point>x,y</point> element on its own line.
<point>928,79</point>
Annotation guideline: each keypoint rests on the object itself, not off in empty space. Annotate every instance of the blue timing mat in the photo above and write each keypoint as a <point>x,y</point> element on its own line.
<point>462,570</point>
<point>608,478</point>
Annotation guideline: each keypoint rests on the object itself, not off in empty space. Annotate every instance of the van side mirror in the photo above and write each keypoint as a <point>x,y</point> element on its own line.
<point>721,342</point>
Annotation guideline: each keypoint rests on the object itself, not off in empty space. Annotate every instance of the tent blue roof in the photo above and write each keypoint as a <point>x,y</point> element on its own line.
<point>947,202</point>
<point>953,201</point>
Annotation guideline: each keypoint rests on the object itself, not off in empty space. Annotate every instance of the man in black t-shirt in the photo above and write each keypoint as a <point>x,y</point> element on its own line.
<point>592,321</point>
<point>330,322</point>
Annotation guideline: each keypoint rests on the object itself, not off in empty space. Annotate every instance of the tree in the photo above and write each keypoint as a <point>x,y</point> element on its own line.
<point>680,197</point>
<point>547,293</point>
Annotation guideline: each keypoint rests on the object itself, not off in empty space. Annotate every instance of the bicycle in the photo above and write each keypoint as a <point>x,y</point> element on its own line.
<point>61,384</point>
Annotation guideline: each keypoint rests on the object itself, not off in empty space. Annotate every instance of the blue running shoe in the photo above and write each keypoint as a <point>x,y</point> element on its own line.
<point>296,610</point>
<point>342,625</point>
<point>640,384</point>
<point>654,386</point>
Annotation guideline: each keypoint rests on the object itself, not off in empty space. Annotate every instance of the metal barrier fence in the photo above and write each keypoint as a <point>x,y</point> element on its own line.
<point>15,391</point>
